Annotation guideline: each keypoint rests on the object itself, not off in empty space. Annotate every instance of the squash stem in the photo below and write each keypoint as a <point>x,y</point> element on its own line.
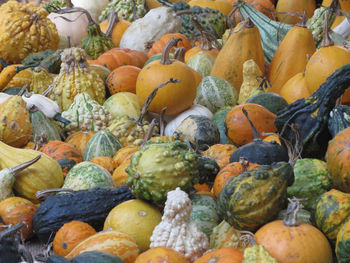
<point>162,122</point>
<point>326,41</point>
<point>255,132</point>
<point>180,54</point>
<point>247,238</point>
<point>206,38</point>
<point>149,132</point>
<point>291,218</point>
<point>15,170</point>
<point>11,230</point>
<point>113,19</point>
<point>69,3</point>
<point>42,195</point>
<point>166,51</point>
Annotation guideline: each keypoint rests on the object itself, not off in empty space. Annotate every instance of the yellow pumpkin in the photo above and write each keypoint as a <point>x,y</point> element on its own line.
<point>223,6</point>
<point>294,6</point>
<point>295,88</point>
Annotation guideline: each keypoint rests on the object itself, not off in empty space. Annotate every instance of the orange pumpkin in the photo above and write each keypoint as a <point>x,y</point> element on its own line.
<point>118,29</point>
<point>105,162</point>
<point>64,153</point>
<point>295,88</point>
<point>178,96</point>
<point>79,140</point>
<point>70,235</point>
<point>230,170</point>
<point>294,6</point>
<point>124,153</point>
<point>223,6</point>
<point>344,4</point>
<point>15,210</point>
<point>264,6</point>
<point>158,46</point>
<point>111,241</point>
<point>220,153</point>
<point>221,255</point>
<point>239,131</point>
<point>161,255</point>
<point>123,79</point>
<point>120,175</point>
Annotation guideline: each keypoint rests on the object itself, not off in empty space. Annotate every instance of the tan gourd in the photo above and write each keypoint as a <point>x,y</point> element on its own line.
<point>251,72</point>
<point>44,174</point>
<point>291,56</point>
<point>243,44</point>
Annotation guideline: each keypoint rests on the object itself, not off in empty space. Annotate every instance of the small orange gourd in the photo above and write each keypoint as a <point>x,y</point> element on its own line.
<point>294,6</point>
<point>178,96</point>
<point>221,255</point>
<point>114,28</point>
<point>295,88</point>
<point>161,254</point>
<point>243,44</point>
<point>123,79</point>
<point>158,46</point>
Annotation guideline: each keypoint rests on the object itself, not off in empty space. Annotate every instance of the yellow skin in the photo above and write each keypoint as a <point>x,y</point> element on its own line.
<point>25,29</point>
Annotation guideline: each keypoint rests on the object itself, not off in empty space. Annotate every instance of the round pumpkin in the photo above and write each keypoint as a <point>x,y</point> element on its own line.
<point>119,174</point>
<point>15,210</point>
<point>220,153</point>
<point>158,46</point>
<point>238,129</point>
<point>118,30</point>
<point>230,170</point>
<point>123,79</point>
<point>223,6</point>
<point>161,254</point>
<point>136,218</point>
<point>221,255</point>
<point>79,140</point>
<point>70,235</point>
<point>124,153</point>
<point>338,154</point>
<point>295,6</point>
<point>65,154</point>
<point>104,161</point>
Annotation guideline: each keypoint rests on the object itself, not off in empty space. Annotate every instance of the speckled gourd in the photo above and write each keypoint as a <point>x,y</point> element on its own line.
<point>76,77</point>
<point>157,168</point>
<point>86,114</point>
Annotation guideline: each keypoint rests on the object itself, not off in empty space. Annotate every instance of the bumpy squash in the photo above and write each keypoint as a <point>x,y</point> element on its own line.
<point>242,45</point>
<point>330,212</point>
<point>75,77</point>
<point>15,125</point>
<point>252,198</point>
<point>44,174</point>
<point>342,248</point>
<point>41,80</point>
<point>28,30</point>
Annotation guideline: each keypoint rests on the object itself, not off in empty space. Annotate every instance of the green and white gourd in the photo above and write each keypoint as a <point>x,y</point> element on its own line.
<point>214,92</point>
<point>202,63</point>
<point>103,143</point>
<point>124,9</point>
<point>86,114</point>
<point>87,175</point>
<point>204,212</point>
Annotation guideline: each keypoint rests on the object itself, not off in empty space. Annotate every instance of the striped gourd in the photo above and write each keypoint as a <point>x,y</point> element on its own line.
<point>115,242</point>
<point>331,211</point>
<point>342,248</point>
<point>202,63</point>
<point>214,92</point>
<point>224,235</point>
<point>87,175</point>
<point>253,198</point>
<point>103,143</point>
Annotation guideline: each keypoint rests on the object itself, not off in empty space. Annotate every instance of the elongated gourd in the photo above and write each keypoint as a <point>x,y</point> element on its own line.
<point>8,73</point>
<point>42,175</point>
<point>243,44</point>
<point>291,56</point>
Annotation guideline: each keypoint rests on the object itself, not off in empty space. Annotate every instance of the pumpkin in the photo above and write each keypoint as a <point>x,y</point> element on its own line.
<point>221,255</point>
<point>295,88</point>
<point>342,248</point>
<point>290,57</point>
<point>79,140</point>
<point>220,153</point>
<point>297,6</point>
<point>115,242</point>
<point>15,210</point>
<point>243,44</point>
<point>15,125</point>
<point>338,167</point>
<point>230,170</point>
<point>104,161</point>
<point>114,28</point>
<point>136,218</point>
<point>124,153</point>
<point>177,97</point>
<point>70,235</point>
<point>161,254</point>
<point>119,174</point>
<point>117,57</point>
<point>344,4</point>
<point>330,212</point>
<point>158,46</point>
<point>123,79</point>
<point>65,154</point>
<point>286,239</point>
<point>222,5</point>
<point>238,129</point>
<point>15,19</point>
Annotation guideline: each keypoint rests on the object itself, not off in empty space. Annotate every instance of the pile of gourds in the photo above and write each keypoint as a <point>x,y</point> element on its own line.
<point>186,131</point>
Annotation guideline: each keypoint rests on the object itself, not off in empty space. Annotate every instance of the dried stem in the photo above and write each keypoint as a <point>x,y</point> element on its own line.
<point>326,41</point>
<point>255,132</point>
<point>113,19</point>
<point>149,132</point>
<point>166,51</point>
<point>42,195</point>
<point>293,208</point>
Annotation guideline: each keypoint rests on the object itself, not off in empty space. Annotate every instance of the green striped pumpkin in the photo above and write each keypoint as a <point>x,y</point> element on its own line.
<point>103,143</point>
<point>331,211</point>
<point>87,175</point>
<point>202,63</point>
<point>204,212</point>
<point>214,92</point>
<point>342,248</point>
